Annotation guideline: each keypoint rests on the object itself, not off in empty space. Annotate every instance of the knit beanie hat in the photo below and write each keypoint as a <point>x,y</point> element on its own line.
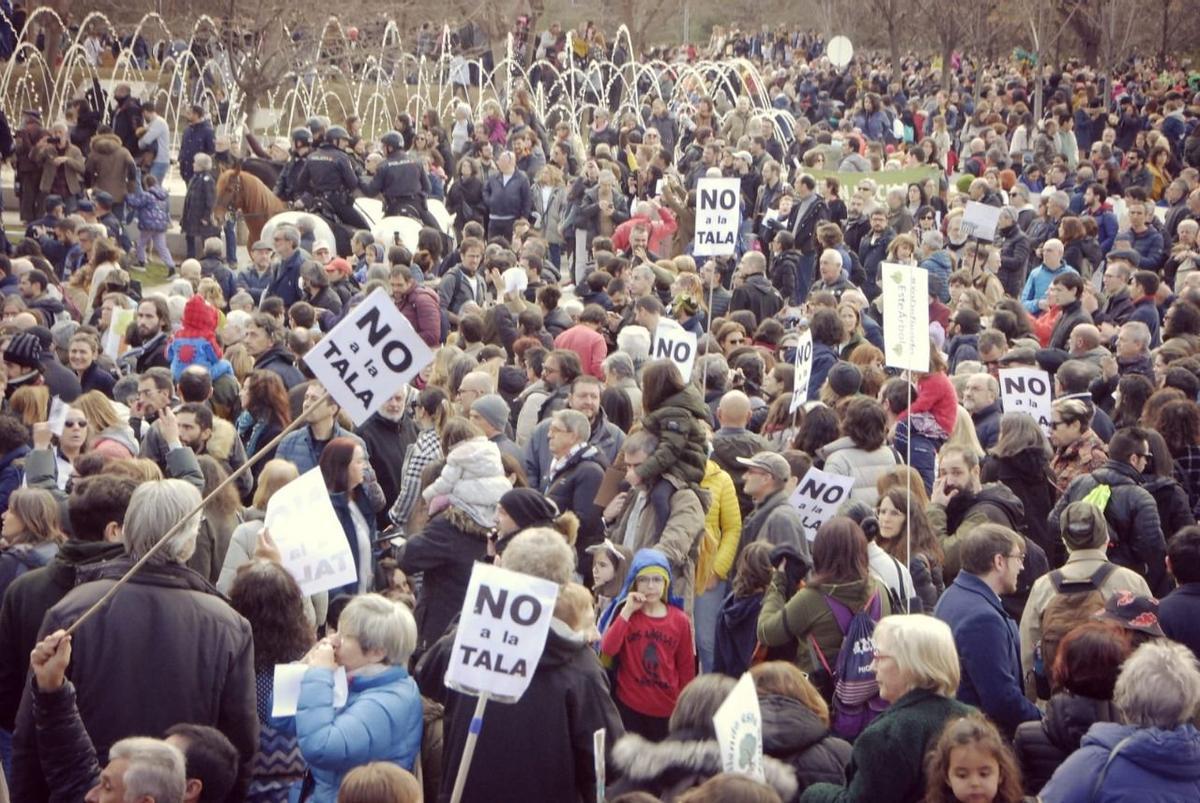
<point>1083,527</point>
<point>528,508</point>
<point>493,409</point>
<point>25,349</point>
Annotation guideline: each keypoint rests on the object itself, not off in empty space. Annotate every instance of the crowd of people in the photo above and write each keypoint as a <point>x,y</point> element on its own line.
<point>1004,607</point>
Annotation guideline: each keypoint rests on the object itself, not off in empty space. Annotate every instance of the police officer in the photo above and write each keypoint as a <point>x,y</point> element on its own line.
<point>285,185</point>
<point>328,175</point>
<point>401,180</point>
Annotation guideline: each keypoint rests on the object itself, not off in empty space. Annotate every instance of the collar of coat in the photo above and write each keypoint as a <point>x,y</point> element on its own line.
<point>687,753</point>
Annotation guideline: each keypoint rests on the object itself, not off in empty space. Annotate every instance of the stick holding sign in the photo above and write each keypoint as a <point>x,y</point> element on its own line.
<point>501,634</point>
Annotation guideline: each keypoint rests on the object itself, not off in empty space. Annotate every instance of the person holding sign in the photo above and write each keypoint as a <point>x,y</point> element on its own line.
<point>382,718</point>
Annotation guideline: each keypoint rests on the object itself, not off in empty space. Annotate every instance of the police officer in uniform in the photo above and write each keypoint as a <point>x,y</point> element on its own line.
<point>401,181</point>
<point>328,175</point>
<point>285,186</point>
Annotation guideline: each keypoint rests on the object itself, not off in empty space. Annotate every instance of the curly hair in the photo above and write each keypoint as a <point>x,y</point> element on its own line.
<point>973,730</point>
<point>1179,424</point>
<point>268,596</point>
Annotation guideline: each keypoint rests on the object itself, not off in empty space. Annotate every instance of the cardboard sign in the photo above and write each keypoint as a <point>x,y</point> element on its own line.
<point>818,495</point>
<point>1027,390</point>
<point>501,633</point>
<point>677,345</point>
<point>718,215</point>
<point>367,357</point>
<point>804,364</point>
<point>309,535</point>
<point>905,316</point>
<point>285,696</point>
<point>738,724</point>
<point>980,221</point>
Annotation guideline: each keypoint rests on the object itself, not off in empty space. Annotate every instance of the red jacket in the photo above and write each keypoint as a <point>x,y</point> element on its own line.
<point>424,312</point>
<point>588,344</point>
<point>660,230</point>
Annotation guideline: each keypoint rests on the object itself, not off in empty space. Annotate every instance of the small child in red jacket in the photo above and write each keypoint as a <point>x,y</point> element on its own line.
<point>933,411</point>
<point>652,644</point>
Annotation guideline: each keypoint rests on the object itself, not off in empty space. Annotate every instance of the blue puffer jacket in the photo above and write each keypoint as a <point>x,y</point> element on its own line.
<point>152,210</point>
<point>381,722</point>
<point>1154,766</point>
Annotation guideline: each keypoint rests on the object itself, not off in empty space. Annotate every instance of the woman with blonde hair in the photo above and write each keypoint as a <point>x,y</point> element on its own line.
<point>30,533</point>
<point>795,724</point>
<point>903,250</point>
<point>30,404</point>
<point>111,435</point>
<point>379,782</point>
<point>964,434</point>
<point>211,292</point>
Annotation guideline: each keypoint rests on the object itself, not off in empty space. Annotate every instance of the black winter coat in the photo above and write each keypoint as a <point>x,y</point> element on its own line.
<point>796,736</point>
<point>1026,475</point>
<point>566,702</point>
<point>1042,746</point>
<point>387,441</point>
<point>445,552</point>
<point>1173,509</point>
<point>574,488</point>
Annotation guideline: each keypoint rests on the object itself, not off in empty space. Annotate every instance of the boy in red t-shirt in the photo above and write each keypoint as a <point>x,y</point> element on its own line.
<point>652,643</point>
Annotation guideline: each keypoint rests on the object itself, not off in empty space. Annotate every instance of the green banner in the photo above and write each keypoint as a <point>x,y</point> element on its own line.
<point>884,178</point>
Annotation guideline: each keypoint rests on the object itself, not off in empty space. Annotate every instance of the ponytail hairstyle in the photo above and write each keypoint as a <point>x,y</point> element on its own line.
<point>434,402</point>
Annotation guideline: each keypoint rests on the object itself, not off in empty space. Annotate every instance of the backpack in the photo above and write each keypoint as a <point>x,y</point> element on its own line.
<point>1073,603</point>
<point>856,700</point>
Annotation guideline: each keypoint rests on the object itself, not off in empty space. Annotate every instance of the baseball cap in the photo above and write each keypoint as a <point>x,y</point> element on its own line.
<point>771,462</point>
<point>1132,612</point>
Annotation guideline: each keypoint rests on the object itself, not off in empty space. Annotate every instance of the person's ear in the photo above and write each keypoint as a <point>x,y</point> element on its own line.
<point>192,790</point>
<point>112,533</point>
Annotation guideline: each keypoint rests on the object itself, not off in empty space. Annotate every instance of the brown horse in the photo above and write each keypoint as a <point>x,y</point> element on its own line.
<point>242,192</point>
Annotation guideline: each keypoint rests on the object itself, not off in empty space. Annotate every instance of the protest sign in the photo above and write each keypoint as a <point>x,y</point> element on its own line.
<point>738,725</point>
<point>803,373</point>
<point>671,342</point>
<point>980,221</point>
<point>501,633</point>
<point>310,538</point>
<point>285,694</point>
<point>598,763</point>
<point>57,419</point>
<point>905,316</point>
<point>367,357</point>
<point>718,215</point>
<point>818,495</point>
<point>1027,390</point>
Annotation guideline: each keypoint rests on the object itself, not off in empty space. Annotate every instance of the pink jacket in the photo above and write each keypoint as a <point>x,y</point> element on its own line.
<point>588,344</point>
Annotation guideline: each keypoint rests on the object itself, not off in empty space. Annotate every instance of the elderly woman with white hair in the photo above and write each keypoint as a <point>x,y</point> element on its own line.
<point>382,717</point>
<point>1155,753</point>
<point>197,221</point>
<point>918,672</point>
<point>166,648</point>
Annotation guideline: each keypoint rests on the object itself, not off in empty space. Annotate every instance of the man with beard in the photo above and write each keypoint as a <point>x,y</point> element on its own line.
<point>873,247</point>
<point>147,336</point>
<point>264,341</point>
<point>981,398</point>
<point>388,434</point>
<point>857,224</point>
<point>960,503</point>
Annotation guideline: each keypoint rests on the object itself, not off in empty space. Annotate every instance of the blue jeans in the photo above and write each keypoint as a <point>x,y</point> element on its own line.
<point>804,277</point>
<point>159,171</point>
<point>705,612</point>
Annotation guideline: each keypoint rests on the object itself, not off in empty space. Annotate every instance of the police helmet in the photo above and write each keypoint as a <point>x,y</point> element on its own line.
<point>392,140</point>
<point>335,133</point>
<point>302,136</point>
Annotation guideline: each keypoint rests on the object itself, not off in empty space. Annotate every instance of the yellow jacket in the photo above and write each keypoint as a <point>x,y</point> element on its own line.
<point>722,527</point>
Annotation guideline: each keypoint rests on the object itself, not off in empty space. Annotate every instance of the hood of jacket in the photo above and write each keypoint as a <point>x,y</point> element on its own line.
<point>106,144</point>
<point>642,559</point>
<point>788,725</point>
<point>1115,473</point>
<point>689,399</point>
<point>739,611</point>
<point>941,259</point>
<point>993,493</point>
<point>122,434</point>
<point>1069,716</point>
<point>562,645</point>
<point>685,754</point>
<point>1172,754</point>
<point>220,443</point>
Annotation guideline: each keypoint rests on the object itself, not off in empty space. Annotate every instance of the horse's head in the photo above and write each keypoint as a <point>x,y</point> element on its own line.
<point>229,191</point>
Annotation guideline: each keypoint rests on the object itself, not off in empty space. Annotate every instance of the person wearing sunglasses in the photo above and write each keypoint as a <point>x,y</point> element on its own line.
<point>1135,531</point>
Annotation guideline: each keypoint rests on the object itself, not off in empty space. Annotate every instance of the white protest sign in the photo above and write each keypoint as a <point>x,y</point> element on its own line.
<point>839,51</point>
<point>58,416</point>
<point>905,316</point>
<point>1027,390</point>
<point>804,363</point>
<point>367,357</point>
<point>285,693</point>
<point>818,495</point>
<point>598,763</point>
<point>501,633</point>
<point>718,215</point>
<point>672,342</point>
<point>980,221</point>
<point>310,538</point>
<point>738,725</point>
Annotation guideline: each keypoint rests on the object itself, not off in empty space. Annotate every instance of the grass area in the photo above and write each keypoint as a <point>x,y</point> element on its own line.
<point>153,275</point>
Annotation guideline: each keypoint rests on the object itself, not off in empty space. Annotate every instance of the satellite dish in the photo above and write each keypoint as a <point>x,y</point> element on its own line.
<point>839,51</point>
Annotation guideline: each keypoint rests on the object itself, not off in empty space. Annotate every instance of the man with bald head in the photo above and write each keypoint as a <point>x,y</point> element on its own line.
<point>1086,344</point>
<point>831,278</point>
<point>756,293</point>
<point>1033,297</point>
<point>733,440</point>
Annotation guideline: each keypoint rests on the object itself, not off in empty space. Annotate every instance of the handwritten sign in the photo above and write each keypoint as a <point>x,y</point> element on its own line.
<point>818,495</point>
<point>803,373</point>
<point>501,633</point>
<point>738,725</point>
<point>309,535</point>
<point>905,316</point>
<point>1027,390</point>
<point>718,215</point>
<point>367,357</point>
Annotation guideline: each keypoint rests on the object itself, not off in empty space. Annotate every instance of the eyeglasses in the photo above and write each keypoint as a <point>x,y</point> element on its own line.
<point>1144,455</point>
<point>1057,424</point>
<point>1019,557</point>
